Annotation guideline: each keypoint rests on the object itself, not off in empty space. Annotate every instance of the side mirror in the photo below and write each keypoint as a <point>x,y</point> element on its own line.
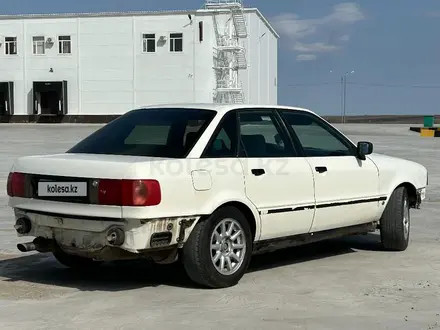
<point>364,148</point>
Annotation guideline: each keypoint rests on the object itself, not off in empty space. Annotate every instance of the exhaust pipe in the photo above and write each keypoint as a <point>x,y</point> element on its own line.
<point>39,244</point>
<point>26,247</point>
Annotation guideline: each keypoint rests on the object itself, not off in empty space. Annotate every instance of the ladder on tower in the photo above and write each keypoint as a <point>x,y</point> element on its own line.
<point>239,22</point>
<point>238,98</point>
<point>229,55</point>
<point>236,8</point>
<point>241,61</point>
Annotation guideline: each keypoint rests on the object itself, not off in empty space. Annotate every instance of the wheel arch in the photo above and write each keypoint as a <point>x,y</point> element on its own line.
<point>247,212</point>
<point>412,192</point>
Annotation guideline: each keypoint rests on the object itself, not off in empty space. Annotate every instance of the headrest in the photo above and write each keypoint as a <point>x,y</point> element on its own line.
<point>254,144</point>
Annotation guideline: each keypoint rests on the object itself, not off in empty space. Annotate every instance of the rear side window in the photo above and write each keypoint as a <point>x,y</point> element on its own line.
<point>224,143</point>
<point>262,136</point>
<point>162,132</point>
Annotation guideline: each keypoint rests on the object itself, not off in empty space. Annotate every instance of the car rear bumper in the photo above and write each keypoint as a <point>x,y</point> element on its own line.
<point>96,236</point>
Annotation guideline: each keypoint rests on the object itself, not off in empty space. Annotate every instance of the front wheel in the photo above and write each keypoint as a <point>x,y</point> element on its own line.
<point>219,249</point>
<point>395,222</point>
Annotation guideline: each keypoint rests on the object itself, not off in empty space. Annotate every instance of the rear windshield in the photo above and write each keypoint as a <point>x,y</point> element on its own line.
<point>169,132</point>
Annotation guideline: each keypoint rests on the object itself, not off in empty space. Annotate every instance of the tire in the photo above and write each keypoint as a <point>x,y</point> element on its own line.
<point>197,254</point>
<point>395,221</point>
<point>75,262</point>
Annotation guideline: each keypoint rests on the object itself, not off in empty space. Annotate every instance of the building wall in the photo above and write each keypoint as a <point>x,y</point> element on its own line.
<point>12,67</point>
<point>259,80</point>
<point>107,72</point>
<point>262,44</point>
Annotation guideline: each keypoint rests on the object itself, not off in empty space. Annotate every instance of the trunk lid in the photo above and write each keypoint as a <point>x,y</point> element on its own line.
<point>80,165</point>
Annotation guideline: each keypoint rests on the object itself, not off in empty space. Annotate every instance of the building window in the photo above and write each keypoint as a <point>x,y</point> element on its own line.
<point>64,45</point>
<point>176,42</point>
<point>11,45</point>
<point>39,47</point>
<point>149,43</point>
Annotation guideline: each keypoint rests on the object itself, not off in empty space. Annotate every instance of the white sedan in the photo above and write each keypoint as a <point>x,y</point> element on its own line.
<point>210,185</point>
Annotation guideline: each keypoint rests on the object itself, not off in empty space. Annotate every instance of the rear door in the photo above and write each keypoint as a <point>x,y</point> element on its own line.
<point>278,182</point>
<point>346,188</point>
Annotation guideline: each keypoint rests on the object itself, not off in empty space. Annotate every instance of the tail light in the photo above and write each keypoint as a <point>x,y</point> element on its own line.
<point>129,192</point>
<point>16,185</point>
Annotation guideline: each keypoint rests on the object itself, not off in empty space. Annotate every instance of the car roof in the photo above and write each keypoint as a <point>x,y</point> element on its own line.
<point>223,108</point>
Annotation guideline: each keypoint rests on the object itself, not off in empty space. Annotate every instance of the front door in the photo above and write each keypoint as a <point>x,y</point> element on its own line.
<point>346,188</point>
<point>277,181</point>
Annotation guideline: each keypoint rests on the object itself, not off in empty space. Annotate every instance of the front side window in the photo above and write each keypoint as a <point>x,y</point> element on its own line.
<point>64,45</point>
<point>176,42</point>
<point>11,45</point>
<point>38,45</point>
<point>315,137</point>
<point>262,136</point>
<point>162,132</point>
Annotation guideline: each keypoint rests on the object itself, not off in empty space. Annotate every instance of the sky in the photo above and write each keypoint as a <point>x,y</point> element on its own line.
<point>389,48</point>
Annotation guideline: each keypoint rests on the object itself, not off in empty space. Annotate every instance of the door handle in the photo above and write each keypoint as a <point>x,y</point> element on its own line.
<point>258,171</point>
<point>321,169</point>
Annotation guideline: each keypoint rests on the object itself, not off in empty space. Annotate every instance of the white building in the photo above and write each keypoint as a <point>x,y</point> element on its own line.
<point>109,63</point>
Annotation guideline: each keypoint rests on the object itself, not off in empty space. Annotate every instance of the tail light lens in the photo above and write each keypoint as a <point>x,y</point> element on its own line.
<point>129,192</point>
<point>15,185</point>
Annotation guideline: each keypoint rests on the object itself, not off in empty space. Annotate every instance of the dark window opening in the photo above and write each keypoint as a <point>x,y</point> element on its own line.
<point>64,45</point>
<point>162,132</point>
<point>149,43</point>
<point>176,42</point>
<point>11,46</point>
<point>200,31</point>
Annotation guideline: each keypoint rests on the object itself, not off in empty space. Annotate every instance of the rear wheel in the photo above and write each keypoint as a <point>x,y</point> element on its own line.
<point>75,262</point>
<point>395,222</point>
<point>219,249</point>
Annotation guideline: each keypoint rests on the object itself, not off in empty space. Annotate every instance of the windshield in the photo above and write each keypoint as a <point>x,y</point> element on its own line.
<point>161,132</point>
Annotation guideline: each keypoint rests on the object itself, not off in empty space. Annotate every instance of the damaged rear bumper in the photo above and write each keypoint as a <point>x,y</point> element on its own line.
<point>105,239</point>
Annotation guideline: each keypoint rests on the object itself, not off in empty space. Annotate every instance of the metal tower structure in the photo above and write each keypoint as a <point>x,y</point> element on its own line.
<point>229,52</point>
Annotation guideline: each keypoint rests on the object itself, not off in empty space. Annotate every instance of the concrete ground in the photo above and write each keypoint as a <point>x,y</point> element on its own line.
<point>343,284</point>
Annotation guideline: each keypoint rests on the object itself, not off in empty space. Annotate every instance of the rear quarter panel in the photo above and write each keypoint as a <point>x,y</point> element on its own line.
<point>191,187</point>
